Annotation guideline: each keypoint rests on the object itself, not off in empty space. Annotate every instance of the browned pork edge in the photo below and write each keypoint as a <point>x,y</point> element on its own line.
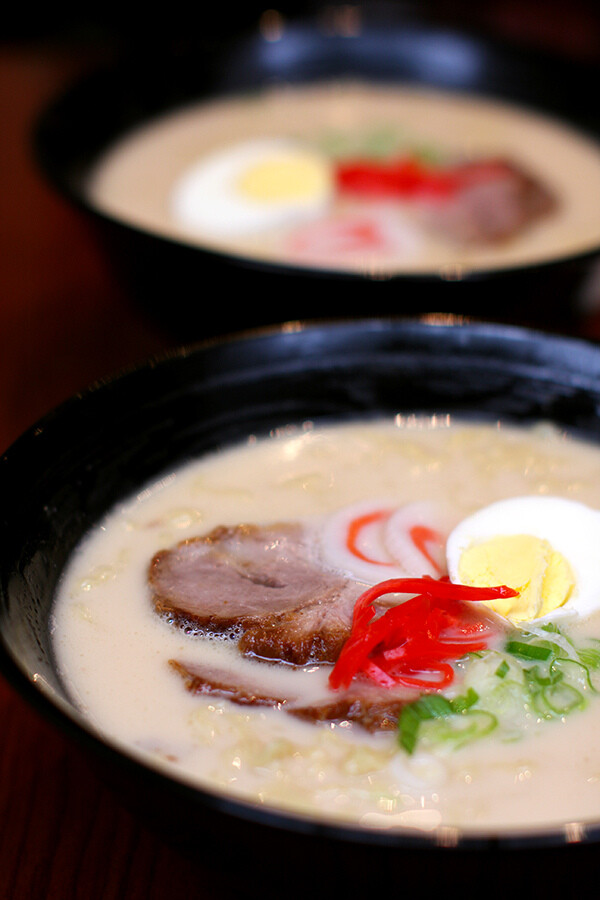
<point>374,709</point>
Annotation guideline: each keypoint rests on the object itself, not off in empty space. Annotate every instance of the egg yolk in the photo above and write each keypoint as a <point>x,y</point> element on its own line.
<point>526,563</point>
<point>290,177</point>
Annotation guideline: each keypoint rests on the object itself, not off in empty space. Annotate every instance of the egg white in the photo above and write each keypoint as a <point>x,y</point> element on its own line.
<point>571,528</point>
<point>207,197</point>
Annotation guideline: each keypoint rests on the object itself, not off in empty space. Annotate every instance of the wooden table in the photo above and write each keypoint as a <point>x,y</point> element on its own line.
<point>64,321</point>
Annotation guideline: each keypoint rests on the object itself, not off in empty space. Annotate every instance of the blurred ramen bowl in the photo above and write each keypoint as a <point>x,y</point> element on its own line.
<point>303,164</point>
<point>107,444</point>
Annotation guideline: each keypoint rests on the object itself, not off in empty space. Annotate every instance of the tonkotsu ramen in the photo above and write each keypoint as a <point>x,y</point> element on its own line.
<point>394,624</point>
<point>359,177</point>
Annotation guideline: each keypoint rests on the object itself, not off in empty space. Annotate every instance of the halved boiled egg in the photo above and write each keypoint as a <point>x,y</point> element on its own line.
<point>253,186</point>
<point>546,548</point>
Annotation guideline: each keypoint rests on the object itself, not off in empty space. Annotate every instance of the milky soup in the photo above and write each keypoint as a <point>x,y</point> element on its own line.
<point>354,176</point>
<point>206,625</point>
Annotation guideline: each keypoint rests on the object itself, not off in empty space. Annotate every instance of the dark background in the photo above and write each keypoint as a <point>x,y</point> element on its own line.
<point>570,28</point>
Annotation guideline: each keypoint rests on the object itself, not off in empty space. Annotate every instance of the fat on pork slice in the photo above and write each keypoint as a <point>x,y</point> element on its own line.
<point>262,583</point>
<point>374,709</point>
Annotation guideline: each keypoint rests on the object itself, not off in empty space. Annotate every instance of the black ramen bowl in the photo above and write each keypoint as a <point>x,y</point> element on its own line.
<point>60,478</point>
<point>182,283</point>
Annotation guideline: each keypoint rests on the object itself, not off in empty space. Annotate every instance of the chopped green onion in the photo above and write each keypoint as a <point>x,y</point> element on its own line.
<point>464,701</point>
<point>528,651</point>
<point>550,677</point>
<point>408,726</point>
<point>562,698</point>
<point>536,680</point>
<point>590,657</point>
<point>502,670</point>
<point>552,627</point>
<point>461,729</point>
<point>575,672</point>
<point>431,706</point>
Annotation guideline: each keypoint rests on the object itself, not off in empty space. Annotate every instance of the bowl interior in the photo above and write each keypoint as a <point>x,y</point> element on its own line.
<point>59,479</point>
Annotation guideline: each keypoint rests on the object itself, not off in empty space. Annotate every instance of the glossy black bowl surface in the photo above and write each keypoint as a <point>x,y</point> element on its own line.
<point>72,134</point>
<point>59,479</point>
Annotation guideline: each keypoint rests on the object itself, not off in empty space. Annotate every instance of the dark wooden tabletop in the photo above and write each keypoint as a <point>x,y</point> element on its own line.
<point>64,322</point>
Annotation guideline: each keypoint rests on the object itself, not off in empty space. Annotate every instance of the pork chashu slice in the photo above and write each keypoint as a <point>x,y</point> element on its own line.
<point>262,581</point>
<point>372,707</point>
<point>496,201</point>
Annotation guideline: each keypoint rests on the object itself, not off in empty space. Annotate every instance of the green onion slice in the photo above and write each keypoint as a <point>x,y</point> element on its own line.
<point>563,698</point>
<point>462,729</point>
<point>529,651</point>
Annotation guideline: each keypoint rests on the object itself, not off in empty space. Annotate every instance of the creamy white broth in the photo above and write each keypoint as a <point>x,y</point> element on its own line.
<point>135,178</point>
<point>113,649</point>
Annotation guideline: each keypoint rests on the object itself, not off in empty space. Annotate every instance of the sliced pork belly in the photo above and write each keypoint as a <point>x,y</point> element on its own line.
<point>373,708</point>
<point>313,633</point>
<point>261,581</point>
<point>224,685</point>
<point>495,201</point>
